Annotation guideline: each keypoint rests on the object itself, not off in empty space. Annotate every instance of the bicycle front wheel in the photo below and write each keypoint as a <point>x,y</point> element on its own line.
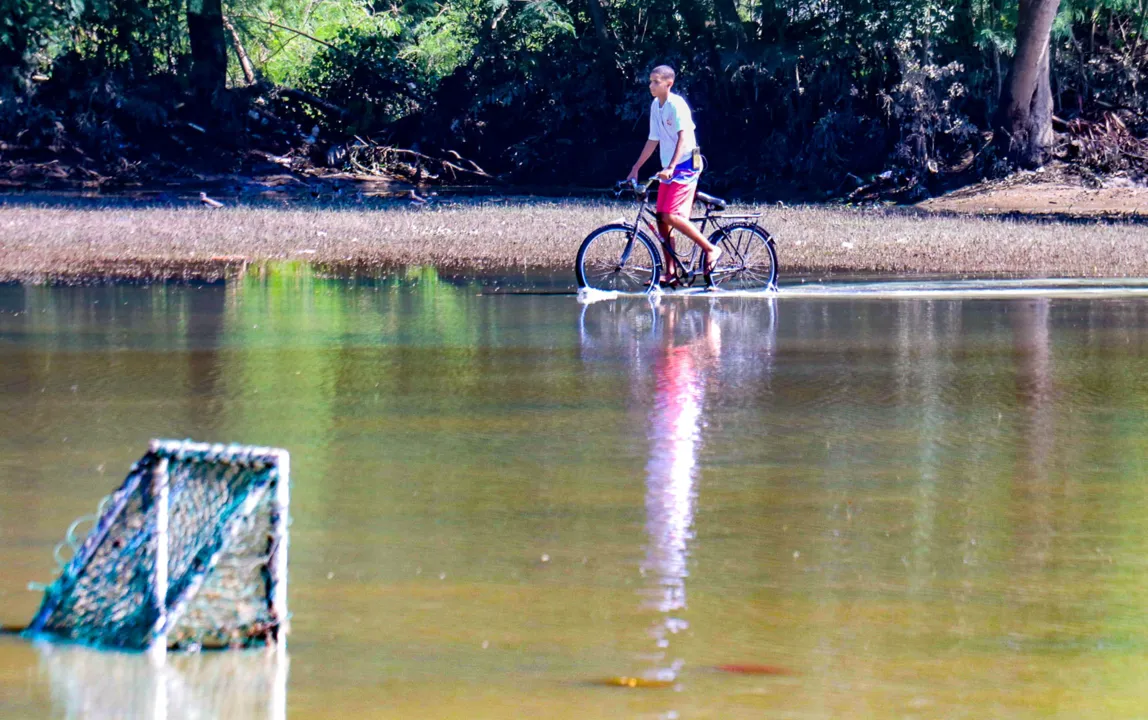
<point>748,260</point>
<point>617,258</point>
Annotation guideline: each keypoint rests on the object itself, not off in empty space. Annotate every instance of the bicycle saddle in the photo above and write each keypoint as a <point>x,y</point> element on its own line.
<point>715,202</point>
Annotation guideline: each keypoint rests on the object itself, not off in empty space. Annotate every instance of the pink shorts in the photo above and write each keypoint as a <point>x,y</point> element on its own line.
<point>676,198</point>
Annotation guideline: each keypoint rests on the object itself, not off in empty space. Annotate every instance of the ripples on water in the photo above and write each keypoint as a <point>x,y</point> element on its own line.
<point>860,506</point>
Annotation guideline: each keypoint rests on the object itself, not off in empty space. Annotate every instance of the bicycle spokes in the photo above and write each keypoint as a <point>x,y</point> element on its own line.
<point>748,261</point>
<point>615,258</point>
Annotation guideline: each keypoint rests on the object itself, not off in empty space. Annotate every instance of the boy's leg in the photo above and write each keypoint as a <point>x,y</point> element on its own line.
<point>665,233</point>
<point>687,228</point>
<point>674,210</point>
<point>667,195</point>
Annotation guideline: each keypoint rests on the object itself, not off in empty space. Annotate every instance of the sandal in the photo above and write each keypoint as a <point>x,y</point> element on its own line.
<point>710,264</point>
<point>673,280</point>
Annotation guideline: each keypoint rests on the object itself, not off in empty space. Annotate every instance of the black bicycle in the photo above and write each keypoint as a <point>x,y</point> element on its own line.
<point>623,257</point>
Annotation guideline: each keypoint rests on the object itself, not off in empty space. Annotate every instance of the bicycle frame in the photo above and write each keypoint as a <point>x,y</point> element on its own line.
<point>711,217</point>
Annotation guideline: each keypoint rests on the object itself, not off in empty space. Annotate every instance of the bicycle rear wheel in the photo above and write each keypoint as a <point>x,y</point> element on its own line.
<point>748,260</point>
<point>617,258</point>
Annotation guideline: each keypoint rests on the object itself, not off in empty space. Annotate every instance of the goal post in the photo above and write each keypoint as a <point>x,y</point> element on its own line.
<point>189,553</point>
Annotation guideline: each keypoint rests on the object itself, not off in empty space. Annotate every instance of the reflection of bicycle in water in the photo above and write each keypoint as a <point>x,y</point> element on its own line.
<point>618,327</point>
<point>623,257</point>
<point>683,357</point>
<point>632,326</point>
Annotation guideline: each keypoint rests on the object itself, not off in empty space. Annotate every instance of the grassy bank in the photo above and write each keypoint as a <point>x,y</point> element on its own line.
<point>59,242</point>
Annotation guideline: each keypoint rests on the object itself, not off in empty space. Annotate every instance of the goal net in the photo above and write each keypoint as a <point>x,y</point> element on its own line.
<point>189,553</point>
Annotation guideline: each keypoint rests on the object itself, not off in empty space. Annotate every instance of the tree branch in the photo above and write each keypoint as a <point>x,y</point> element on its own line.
<point>300,33</point>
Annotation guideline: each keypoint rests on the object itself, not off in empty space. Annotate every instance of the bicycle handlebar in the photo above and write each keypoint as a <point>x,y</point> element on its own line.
<point>634,185</point>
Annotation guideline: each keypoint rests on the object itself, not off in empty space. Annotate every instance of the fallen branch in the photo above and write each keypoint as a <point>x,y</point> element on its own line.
<point>240,52</point>
<point>1105,144</point>
<point>384,160</point>
<point>310,99</point>
<point>445,163</point>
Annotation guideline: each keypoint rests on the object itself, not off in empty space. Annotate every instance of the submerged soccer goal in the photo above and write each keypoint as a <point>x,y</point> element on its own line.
<point>189,553</point>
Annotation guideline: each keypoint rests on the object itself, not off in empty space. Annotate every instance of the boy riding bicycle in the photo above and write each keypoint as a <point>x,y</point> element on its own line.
<point>672,132</point>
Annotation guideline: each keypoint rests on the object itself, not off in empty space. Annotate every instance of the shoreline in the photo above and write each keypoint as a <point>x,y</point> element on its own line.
<point>65,242</point>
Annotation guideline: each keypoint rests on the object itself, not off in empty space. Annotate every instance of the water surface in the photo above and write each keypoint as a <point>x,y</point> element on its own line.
<point>902,506</point>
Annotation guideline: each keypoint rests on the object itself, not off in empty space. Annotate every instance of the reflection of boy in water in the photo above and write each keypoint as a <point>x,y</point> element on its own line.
<point>675,433</point>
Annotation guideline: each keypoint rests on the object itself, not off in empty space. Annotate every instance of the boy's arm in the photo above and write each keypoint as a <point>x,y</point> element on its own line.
<point>647,151</point>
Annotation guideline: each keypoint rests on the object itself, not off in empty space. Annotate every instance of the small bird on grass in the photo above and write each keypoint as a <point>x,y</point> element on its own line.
<point>208,201</point>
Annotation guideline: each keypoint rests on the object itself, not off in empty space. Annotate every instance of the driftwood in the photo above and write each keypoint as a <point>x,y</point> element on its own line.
<point>1105,144</point>
<point>370,158</point>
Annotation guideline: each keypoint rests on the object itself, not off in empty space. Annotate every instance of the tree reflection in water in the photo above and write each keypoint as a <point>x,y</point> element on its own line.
<point>1036,395</point>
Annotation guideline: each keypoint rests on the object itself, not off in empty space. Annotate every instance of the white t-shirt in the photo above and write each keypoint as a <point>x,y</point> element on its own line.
<point>665,123</point>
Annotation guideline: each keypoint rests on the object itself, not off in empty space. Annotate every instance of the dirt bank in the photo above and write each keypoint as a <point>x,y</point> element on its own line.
<point>66,241</point>
<point>1057,190</point>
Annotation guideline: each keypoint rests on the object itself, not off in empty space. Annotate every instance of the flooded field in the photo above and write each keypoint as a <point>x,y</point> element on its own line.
<point>836,504</point>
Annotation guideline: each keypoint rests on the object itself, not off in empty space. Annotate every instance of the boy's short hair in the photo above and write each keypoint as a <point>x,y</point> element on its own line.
<point>665,72</point>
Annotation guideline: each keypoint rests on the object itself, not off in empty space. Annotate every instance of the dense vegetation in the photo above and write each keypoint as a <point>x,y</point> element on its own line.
<point>814,95</point>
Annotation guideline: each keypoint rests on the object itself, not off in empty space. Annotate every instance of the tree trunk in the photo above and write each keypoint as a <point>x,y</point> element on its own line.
<point>732,31</point>
<point>695,16</point>
<point>1024,116</point>
<point>208,47</point>
<point>14,65</point>
<point>598,17</point>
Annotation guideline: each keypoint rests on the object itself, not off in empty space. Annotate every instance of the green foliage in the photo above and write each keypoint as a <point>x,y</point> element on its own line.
<point>140,38</point>
<point>1102,55</point>
<point>29,30</point>
<point>787,91</point>
<point>285,56</point>
<point>439,44</point>
<point>366,75</point>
